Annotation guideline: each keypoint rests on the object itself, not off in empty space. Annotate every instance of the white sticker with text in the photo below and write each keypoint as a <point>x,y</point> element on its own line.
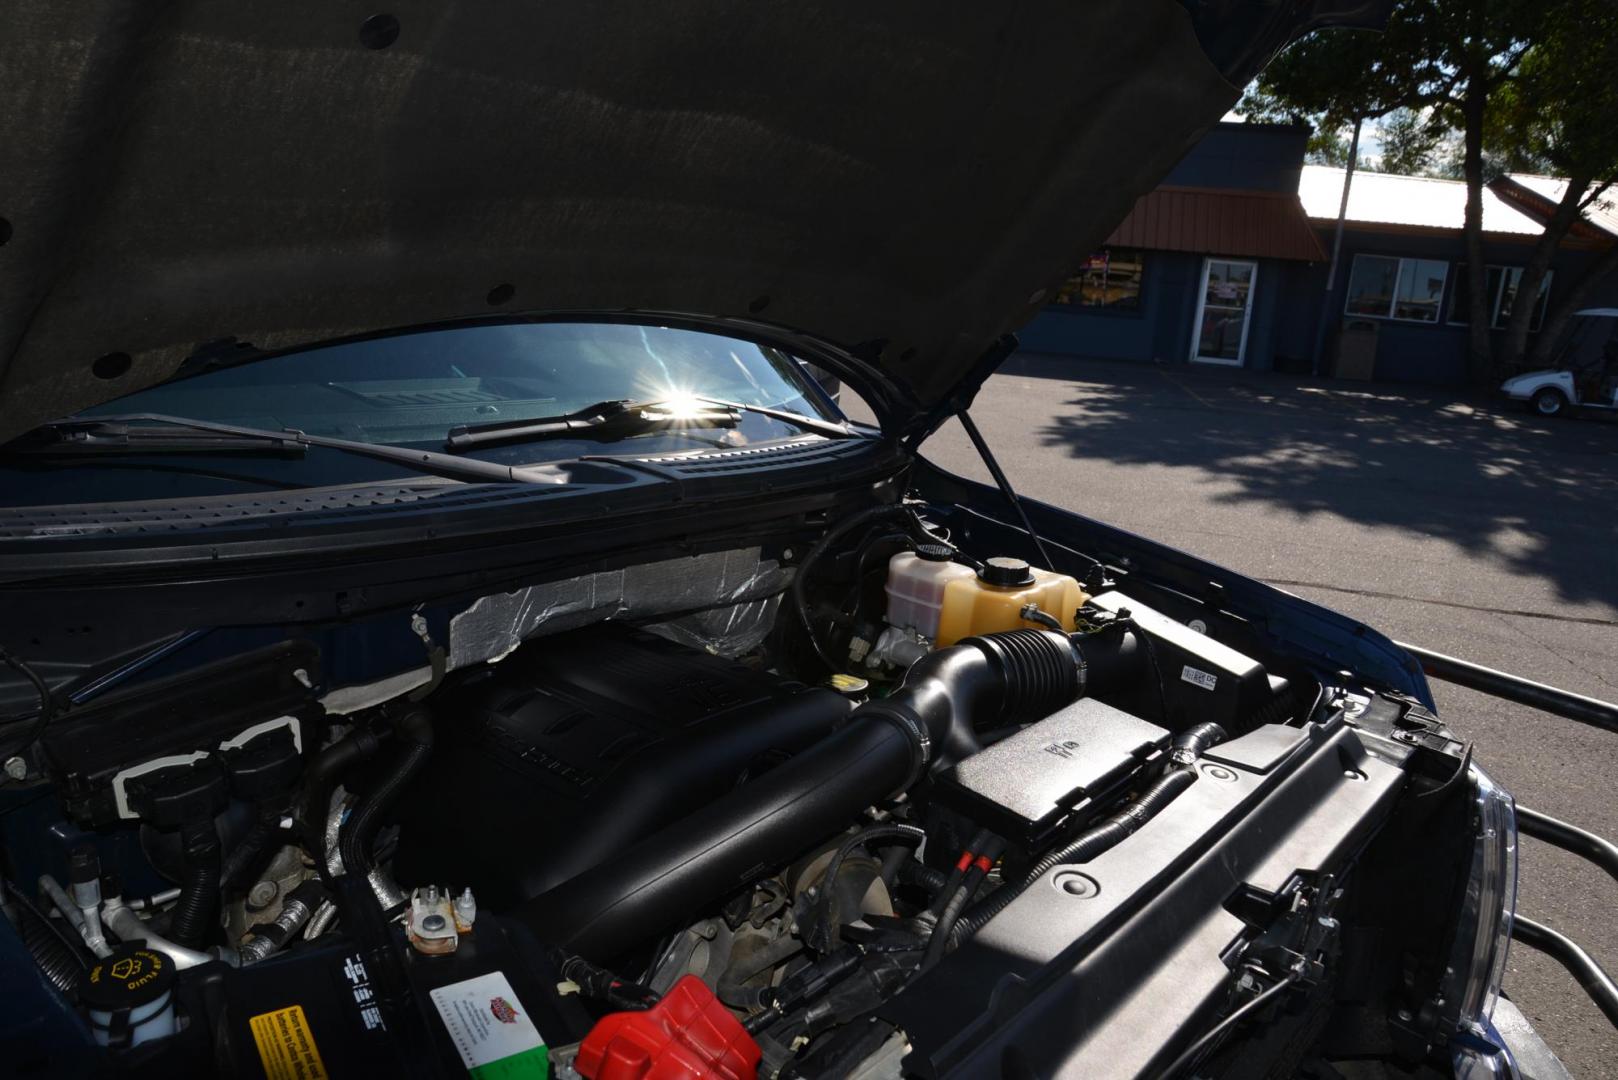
<point>1199,678</point>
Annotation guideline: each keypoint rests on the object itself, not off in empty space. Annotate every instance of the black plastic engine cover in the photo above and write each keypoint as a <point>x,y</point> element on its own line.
<point>1201,679</point>
<point>1028,786</point>
<point>578,745</point>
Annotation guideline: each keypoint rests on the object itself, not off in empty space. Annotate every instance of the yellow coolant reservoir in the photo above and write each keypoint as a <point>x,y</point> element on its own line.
<point>993,600</point>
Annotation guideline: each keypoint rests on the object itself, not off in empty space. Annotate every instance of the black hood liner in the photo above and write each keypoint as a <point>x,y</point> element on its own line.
<point>908,179</point>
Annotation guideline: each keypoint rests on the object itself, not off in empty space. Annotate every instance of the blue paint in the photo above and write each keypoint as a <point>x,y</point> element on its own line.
<point>1287,299</point>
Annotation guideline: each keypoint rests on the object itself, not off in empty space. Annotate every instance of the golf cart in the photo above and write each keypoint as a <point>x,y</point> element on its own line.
<point>1588,375</point>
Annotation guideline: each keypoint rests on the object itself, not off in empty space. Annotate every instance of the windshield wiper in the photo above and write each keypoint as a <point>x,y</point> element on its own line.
<point>92,435</point>
<point>623,418</point>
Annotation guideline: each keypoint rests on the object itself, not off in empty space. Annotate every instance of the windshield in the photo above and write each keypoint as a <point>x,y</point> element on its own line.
<point>415,387</point>
<point>413,390</point>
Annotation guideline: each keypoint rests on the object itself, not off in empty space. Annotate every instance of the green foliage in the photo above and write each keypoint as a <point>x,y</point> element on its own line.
<point>1422,62</point>
<point>1559,114</point>
<point>1472,89</point>
<point>1327,147</point>
<point>1410,143</point>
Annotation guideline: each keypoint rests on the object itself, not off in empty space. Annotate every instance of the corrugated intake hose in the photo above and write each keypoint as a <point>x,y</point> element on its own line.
<point>195,911</point>
<point>886,746</point>
<point>414,733</point>
<point>1188,746</point>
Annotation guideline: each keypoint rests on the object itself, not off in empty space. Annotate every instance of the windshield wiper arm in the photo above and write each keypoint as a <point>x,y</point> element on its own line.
<point>604,418</point>
<point>107,434</point>
<point>59,439</point>
<point>828,428</point>
<point>627,418</point>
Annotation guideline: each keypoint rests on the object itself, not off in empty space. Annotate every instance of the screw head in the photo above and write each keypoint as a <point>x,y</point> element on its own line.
<point>16,768</point>
<point>433,922</point>
<point>1218,772</point>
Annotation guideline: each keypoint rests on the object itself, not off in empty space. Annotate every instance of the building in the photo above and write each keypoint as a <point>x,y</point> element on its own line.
<point>1227,263</point>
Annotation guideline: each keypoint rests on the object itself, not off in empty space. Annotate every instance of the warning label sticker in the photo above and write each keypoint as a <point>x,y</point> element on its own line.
<point>286,1046</point>
<point>491,1029</point>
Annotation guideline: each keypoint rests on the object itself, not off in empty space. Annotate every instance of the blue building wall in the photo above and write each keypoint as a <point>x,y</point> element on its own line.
<point>1288,309</point>
<point>1253,157</point>
<point>1411,352</point>
<point>1162,331</point>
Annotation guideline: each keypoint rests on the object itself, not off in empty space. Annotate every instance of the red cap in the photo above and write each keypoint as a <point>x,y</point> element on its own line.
<point>688,1035</point>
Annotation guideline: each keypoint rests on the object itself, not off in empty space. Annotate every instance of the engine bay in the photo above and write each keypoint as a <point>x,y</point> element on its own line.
<point>822,812</point>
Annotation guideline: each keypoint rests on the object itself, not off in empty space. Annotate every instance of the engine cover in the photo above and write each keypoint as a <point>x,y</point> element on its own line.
<point>578,745</point>
<point>1029,786</point>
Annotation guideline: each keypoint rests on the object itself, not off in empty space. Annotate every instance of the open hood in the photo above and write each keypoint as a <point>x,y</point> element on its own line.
<point>904,180</point>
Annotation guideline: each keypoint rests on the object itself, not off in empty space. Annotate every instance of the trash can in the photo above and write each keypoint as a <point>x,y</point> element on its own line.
<point>1356,349</point>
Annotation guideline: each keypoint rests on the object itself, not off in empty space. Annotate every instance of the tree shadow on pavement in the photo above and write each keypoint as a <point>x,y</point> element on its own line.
<point>1539,496</point>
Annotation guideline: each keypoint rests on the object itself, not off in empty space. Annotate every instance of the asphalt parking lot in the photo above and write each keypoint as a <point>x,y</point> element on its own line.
<point>1466,526</point>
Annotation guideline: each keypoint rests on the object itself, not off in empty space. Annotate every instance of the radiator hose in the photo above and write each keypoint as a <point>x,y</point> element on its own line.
<point>1181,773</point>
<point>414,736</point>
<point>886,746</point>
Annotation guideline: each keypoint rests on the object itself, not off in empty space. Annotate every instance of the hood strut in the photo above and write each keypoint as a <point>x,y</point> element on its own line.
<point>1004,484</point>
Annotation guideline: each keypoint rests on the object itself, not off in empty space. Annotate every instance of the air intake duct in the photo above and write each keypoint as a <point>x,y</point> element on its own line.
<point>886,746</point>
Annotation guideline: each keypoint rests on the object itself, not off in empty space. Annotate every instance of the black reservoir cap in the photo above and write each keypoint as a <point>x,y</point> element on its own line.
<point>1006,572</point>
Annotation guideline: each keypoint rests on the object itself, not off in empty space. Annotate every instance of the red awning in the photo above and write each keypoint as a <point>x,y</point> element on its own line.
<point>1210,221</point>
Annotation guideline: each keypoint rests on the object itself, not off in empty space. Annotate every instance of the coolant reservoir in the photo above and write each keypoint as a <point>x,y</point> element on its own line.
<point>993,598</point>
<point>916,581</point>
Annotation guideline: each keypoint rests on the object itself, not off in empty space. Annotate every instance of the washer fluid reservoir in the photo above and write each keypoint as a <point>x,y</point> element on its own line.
<point>993,598</point>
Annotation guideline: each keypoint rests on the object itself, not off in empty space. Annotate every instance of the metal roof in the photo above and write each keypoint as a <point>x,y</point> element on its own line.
<point>1256,224</point>
<point>1602,213</point>
<point>1385,199</point>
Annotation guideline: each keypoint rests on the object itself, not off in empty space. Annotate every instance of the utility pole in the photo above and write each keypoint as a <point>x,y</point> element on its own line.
<point>1319,358</point>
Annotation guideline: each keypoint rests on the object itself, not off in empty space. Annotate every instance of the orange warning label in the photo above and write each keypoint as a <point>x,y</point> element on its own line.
<point>286,1046</point>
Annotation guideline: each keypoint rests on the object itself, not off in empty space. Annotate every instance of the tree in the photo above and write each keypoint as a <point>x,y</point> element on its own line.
<point>1535,71</point>
<point>1327,147</point>
<point>1560,116</point>
<point>1410,143</point>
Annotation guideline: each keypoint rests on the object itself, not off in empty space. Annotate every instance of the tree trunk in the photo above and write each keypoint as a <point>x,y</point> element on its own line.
<point>1479,361</point>
<point>1514,344</point>
<point>1557,318</point>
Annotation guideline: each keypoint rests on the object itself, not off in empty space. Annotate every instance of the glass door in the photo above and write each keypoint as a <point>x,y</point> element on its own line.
<point>1224,307</point>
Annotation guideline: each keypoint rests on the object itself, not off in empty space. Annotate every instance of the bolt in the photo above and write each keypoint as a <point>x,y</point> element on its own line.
<point>433,923</point>
<point>16,768</point>
<point>1404,1015</point>
<point>1218,772</point>
<point>262,895</point>
<point>1353,774</point>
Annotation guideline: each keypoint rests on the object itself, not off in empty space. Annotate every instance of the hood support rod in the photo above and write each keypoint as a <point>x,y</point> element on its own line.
<point>1001,482</point>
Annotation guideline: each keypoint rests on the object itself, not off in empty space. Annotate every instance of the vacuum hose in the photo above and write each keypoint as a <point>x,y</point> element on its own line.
<point>1188,746</point>
<point>886,747</point>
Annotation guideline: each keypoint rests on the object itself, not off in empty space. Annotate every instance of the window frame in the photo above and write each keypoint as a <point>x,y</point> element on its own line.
<point>1138,310</point>
<point>1393,298</point>
<point>1499,291</point>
